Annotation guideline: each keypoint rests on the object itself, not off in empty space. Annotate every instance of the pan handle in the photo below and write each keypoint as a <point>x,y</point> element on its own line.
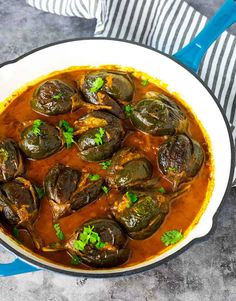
<point>192,54</point>
<point>16,267</point>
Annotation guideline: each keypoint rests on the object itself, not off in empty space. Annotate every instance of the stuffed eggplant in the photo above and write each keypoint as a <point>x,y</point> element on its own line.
<point>129,167</point>
<point>101,135</point>
<point>19,204</point>
<point>142,212</point>
<point>180,158</point>
<point>54,97</point>
<point>99,243</point>
<point>40,140</point>
<point>158,115</point>
<point>68,190</point>
<point>11,160</point>
<point>108,88</point>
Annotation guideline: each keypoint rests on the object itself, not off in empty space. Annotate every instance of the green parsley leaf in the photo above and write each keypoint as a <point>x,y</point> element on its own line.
<point>58,95</point>
<point>36,127</point>
<point>171,237</point>
<point>79,245</point>
<point>162,190</point>
<point>59,232</point>
<point>40,191</point>
<point>105,164</point>
<point>144,82</point>
<point>127,110</point>
<point>75,260</point>
<point>93,177</point>
<point>105,189</point>
<point>98,136</point>
<point>132,197</point>
<point>3,155</point>
<point>68,132</point>
<point>172,168</point>
<point>88,236</point>
<point>15,232</point>
<point>97,84</point>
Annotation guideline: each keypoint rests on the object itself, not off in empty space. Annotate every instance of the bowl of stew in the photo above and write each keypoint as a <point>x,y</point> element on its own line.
<point>110,157</point>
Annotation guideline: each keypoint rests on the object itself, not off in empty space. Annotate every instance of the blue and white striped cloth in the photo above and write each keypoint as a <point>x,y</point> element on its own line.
<point>166,25</point>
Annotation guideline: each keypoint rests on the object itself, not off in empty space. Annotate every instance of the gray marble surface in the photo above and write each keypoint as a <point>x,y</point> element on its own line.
<point>206,271</point>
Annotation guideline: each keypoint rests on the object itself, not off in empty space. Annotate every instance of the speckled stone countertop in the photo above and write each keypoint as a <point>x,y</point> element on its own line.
<point>206,271</point>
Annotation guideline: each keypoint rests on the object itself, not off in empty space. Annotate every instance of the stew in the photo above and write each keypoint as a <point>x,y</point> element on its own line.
<point>101,168</point>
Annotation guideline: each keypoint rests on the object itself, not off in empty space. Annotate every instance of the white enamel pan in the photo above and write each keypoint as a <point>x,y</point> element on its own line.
<point>179,78</point>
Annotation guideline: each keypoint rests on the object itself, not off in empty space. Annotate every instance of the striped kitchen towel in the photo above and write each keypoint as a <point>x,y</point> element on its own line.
<point>166,25</point>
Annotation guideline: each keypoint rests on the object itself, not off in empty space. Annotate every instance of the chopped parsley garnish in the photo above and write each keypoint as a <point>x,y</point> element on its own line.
<point>68,132</point>
<point>36,127</point>
<point>105,189</point>
<point>3,155</point>
<point>40,191</point>
<point>75,260</point>
<point>93,177</point>
<point>105,164</point>
<point>172,168</point>
<point>144,82</point>
<point>127,110</point>
<point>88,236</point>
<point>58,96</point>
<point>59,232</point>
<point>171,237</point>
<point>97,84</point>
<point>98,136</point>
<point>15,232</point>
<point>132,197</point>
<point>161,190</point>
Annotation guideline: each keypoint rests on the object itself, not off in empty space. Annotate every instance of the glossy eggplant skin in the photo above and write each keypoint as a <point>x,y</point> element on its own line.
<point>60,182</point>
<point>158,115</point>
<point>89,193</point>
<point>142,218</point>
<point>112,254</point>
<point>180,158</point>
<point>88,126</point>
<point>68,190</point>
<point>19,202</point>
<point>41,146</point>
<point>11,160</point>
<point>54,97</point>
<point>129,167</point>
<point>118,89</point>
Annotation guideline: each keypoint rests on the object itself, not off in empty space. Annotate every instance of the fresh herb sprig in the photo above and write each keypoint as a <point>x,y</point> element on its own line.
<point>75,260</point>
<point>15,232</point>
<point>171,237</point>
<point>162,190</point>
<point>36,127</point>
<point>105,164</point>
<point>127,110</point>
<point>105,189</point>
<point>99,136</point>
<point>59,232</point>
<point>97,84</point>
<point>132,197</point>
<point>68,132</point>
<point>93,177</point>
<point>172,168</point>
<point>58,96</point>
<point>88,236</point>
<point>144,82</point>
<point>40,191</point>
